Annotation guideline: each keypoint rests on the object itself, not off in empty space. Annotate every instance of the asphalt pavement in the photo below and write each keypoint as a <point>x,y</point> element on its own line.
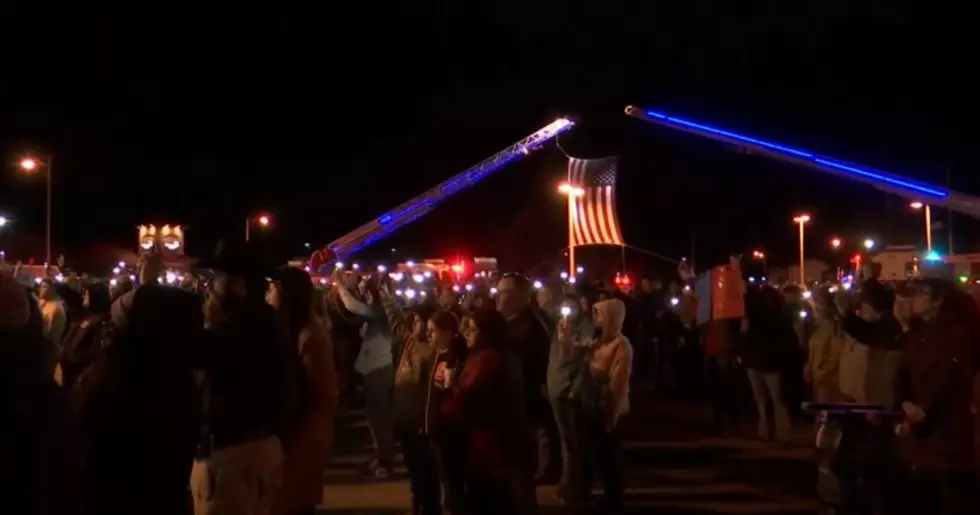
<point>673,467</point>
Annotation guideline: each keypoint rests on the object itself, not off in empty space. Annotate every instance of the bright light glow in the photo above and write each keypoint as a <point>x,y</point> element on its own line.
<point>456,288</point>
<point>263,220</point>
<point>751,279</point>
<point>869,244</point>
<point>817,161</point>
<point>674,301</point>
<point>687,287</point>
<point>835,243</point>
<point>122,264</point>
<point>801,219</point>
<point>410,263</point>
<point>116,270</point>
<point>171,277</point>
<point>846,286</point>
<point>564,275</point>
<point>399,293</point>
<point>306,268</point>
<point>418,278</point>
<point>571,191</point>
<point>579,269</point>
<point>422,293</point>
<point>37,280</point>
<point>571,280</point>
<point>409,293</point>
<point>493,291</point>
<point>397,276</point>
<point>356,266</point>
<point>427,275</point>
<point>172,244</point>
<point>469,287</point>
<point>132,277</point>
<point>338,265</point>
<point>147,245</point>
<point>382,269</point>
<point>916,205</point>
<point>565,311</point>
<point>832,289</point>
<point>758,254</point>
<point>964,279</point>
<point>807,294</point>
<point>60,278</point>
<point>538,285</point>
<point>802,313</point>
<point>323,281</point>
<point>29,164</point>
<point>932,255</point>
<point>113,282</point>
<point>3,221</point>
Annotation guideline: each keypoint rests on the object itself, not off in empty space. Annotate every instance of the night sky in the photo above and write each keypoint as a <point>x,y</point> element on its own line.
<point>326,117</point>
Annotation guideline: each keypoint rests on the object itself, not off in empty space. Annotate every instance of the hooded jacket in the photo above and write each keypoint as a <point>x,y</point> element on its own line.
<point>567,361</point>
<point>612,359</point>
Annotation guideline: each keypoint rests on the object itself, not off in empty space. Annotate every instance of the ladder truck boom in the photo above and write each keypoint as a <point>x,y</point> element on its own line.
<point>913,190</point>
<point>419,206</point>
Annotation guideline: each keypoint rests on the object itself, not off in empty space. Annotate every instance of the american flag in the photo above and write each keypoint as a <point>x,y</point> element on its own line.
<point>592,214</point>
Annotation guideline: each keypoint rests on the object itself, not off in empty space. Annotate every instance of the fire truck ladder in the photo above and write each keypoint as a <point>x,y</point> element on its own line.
<point>913,190</point>
<point>419,206</point>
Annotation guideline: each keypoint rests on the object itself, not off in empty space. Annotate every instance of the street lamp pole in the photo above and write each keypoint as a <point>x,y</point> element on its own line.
<point>30,164</point>
<point>571,192</point>
<point>927,210</point>
<point>802,220</point>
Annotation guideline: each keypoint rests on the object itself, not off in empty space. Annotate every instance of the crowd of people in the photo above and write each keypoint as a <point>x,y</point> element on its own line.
<point>219,397</point>
<point>222,400</point>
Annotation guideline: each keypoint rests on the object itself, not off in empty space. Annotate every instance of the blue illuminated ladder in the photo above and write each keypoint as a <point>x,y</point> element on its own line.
<point>913,190</point>
<point>408,212</point>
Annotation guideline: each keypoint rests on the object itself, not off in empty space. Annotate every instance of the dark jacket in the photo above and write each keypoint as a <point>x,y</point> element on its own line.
<point>770,342</point>
<point>141,417</point>
<point>533,344</point>
<point>487,407</point>
<point>941,360</point>
<point>248,377</point>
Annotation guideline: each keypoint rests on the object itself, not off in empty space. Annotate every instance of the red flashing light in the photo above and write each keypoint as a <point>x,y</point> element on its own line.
<point>856,259</point>
<point>623,279</point>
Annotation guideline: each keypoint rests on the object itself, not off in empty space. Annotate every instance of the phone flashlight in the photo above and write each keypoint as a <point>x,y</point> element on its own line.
<point>565,311</point>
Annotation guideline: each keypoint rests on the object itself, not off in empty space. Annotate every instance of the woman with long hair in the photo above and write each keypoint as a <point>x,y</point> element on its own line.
<point>487,408</point>
<point>308,437</point>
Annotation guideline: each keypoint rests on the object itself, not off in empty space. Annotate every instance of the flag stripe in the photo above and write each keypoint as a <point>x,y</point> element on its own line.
<point>593,213</point>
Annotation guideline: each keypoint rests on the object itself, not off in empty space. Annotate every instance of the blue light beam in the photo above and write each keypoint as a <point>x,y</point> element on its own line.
<point>828,164</point>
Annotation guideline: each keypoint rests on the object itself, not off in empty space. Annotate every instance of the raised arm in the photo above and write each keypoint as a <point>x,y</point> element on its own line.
<point>352,304</point>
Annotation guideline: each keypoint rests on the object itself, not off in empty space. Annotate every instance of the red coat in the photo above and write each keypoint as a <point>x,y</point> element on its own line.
<point>941,360</point>
<point>487,409</point>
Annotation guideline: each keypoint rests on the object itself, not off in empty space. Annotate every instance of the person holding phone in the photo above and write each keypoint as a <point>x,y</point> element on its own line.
<point>425,363</point>
<point>566,364</point>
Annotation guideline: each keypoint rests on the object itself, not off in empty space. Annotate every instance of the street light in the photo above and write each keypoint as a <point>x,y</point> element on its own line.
<point>31,165</point>
<point>869,244</point>
<point>835,243</point>
<point>928,214</point>
<point>801,220</point>
<point>761,256</point>
<point>261,220</point>
<point>571,192</point>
